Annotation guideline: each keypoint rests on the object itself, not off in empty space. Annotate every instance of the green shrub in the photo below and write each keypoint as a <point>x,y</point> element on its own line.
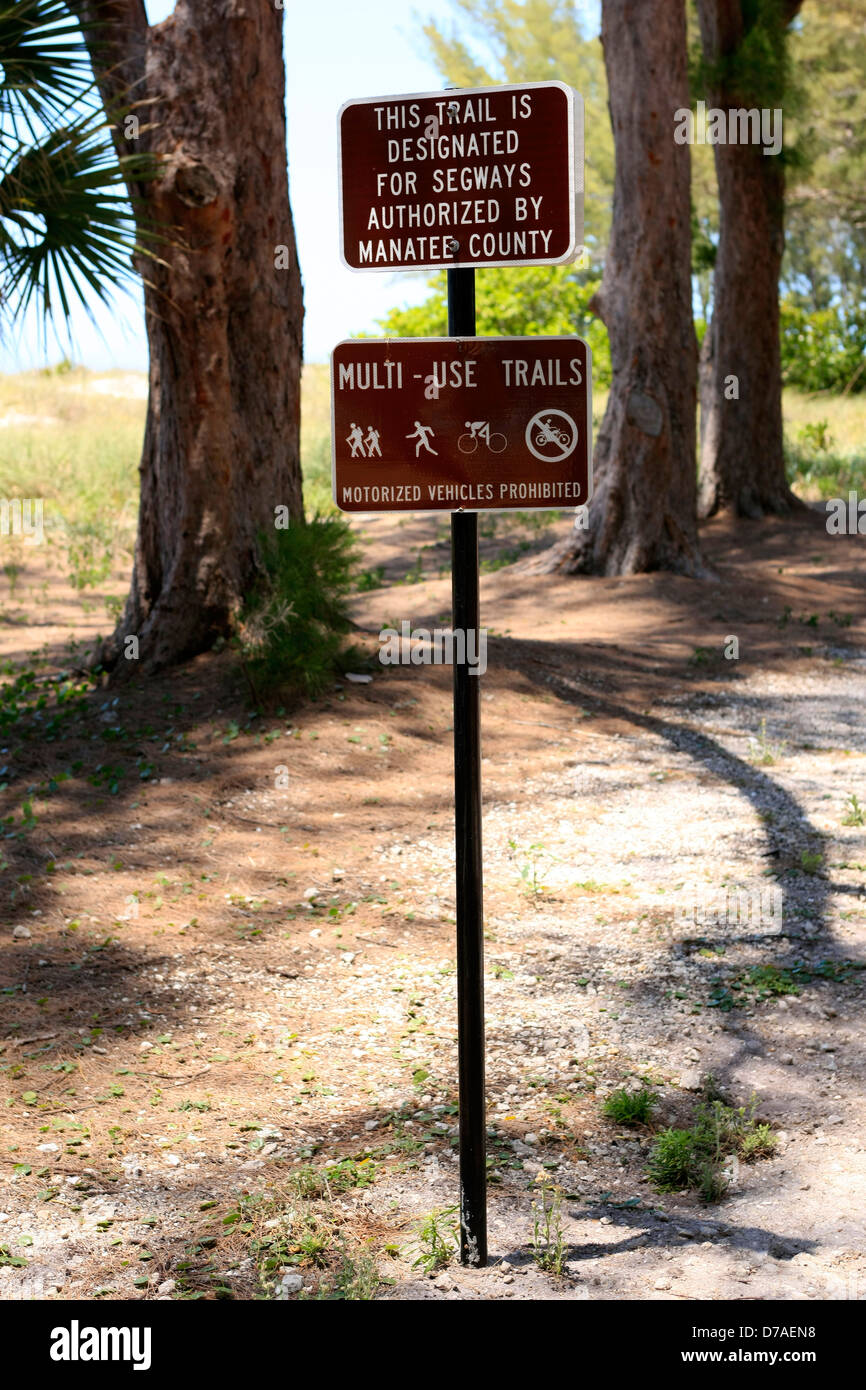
<point>292,628</point>
<point>672,1162</point>
<point>695,1157</point>
<point>630,1107</point>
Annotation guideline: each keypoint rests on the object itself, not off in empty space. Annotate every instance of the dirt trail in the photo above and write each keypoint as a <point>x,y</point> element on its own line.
<point>227,948</point>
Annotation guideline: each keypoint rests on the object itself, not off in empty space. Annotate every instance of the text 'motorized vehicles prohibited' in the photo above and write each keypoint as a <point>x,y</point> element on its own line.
<point>450,424</point>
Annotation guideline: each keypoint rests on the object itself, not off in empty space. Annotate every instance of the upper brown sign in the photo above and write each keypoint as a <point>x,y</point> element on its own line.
<point>461,424</point>
<point>482,176</point>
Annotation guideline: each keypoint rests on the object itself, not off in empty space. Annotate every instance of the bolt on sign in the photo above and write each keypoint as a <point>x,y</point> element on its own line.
<point>461,424</point>
<point>485,176</point>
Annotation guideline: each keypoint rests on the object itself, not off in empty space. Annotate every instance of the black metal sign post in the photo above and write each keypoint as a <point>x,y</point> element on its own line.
<point>467,831</point>
<point>384,157</point>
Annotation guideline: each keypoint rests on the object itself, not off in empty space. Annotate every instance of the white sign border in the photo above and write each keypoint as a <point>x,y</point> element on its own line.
<point>575,176</point>
<point>493,338</point>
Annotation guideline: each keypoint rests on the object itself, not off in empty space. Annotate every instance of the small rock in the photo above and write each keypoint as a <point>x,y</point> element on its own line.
<point>371,1125</point>
<point>289,1284</point>
<point>167,1286</point>
<point>144,1046</point>
<point>357,678</point>
<point>690,1080</point>
<point>310,893</point>
<point>22,933</point>
<point>835,1120</point>
<point>530,1138</point>
<point>662,1284</point>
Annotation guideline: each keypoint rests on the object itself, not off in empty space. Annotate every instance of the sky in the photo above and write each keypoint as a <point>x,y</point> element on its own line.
<point>335,50</point>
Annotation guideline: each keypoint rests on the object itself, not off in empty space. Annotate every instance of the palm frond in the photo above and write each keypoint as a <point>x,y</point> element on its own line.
<point>66,226</point>
<point>45,64</point>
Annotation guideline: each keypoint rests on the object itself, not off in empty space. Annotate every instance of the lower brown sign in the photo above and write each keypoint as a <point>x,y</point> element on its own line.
<point>461,424</point>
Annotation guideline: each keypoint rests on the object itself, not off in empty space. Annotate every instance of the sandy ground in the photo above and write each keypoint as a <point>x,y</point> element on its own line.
<point>227,944</point>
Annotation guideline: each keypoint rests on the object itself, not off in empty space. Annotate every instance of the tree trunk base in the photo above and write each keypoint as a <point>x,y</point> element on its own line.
<point>748,502</point>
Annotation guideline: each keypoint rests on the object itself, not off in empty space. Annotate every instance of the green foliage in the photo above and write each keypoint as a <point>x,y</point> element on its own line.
<point>523,302</point>
<point>504,41</point>
<point>823,349</point>
<point>810,861</point>
<point>760,982</point>
<point>534,868</point>
<point>548,1240</point>
<point>825,259</point>
<point>7,1258</point>
<point>501,41</point>
<point>630,1107</point>
<point>292,628</point>
<point>357,1278</point>
<point>758,70</point>
<point>815,435</point>
<point>66,228</point>
<point>310,1182</point>
<point>437,1240</point>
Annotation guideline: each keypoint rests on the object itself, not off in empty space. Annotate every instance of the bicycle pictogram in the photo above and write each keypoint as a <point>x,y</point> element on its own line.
<point>480,429</point>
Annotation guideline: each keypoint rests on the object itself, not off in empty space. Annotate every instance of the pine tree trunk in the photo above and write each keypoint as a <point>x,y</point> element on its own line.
<point>643,512</point>
<point>742,465</point>
<point>223,306</point>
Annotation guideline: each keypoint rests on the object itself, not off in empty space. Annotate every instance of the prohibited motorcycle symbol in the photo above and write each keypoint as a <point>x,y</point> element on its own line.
<point>551,436</point>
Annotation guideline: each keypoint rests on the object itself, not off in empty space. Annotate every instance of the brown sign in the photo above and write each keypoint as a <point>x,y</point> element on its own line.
<point>461,424</point>
<point>482,176</point>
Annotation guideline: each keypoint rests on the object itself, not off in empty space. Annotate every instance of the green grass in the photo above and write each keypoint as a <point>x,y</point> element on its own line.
<point>824,443</point>
<point>548,1238</point>
<point>79,448</point>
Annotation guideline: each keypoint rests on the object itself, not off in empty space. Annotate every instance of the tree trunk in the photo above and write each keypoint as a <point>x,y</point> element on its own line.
<point>643,512</point>
<point>223,307</point>
<point>742,460</point>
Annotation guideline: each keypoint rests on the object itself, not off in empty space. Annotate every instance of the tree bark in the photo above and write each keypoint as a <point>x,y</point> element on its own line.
<point>223,306</point>
<point>742,465</point>
<point>642,515</point>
